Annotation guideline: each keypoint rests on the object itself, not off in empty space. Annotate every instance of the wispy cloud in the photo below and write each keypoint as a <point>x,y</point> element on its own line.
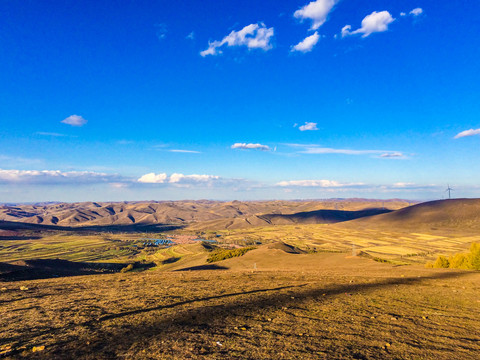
<point>465,133</point>
<point>336,186</point>
<point>161,31</point>
<point>44,133</point>
<point>190,36</point>
<point>250,146</point>
<point>409,186</point>
<point>160,146</point>
<point>307,44</point>
<point>322,150</point>
<point>308,126</point>
<point>74,120</point>
<point>184,151</point>
<point>253,36</point>
<point>317,183</point>
<point>317,149</point>
<point>188,179</point>
<point>393,155</point>
<point>17,160</point>
<point>57,177</point>
<point>316,11</point>
<point>375,22</point>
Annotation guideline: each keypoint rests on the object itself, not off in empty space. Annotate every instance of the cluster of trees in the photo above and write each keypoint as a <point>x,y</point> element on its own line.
<point>469,261</point>
<point>222,254</point>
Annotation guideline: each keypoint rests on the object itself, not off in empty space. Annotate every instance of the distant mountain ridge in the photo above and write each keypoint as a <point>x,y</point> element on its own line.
<point>226,214</point>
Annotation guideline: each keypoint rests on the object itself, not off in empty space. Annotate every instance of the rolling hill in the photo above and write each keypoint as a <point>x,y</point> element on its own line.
<point>234,214</point>
<point>307,217</point>
<point>446,215</point>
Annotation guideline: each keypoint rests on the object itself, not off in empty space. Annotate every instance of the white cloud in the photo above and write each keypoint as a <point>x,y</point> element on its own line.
<point>74,120</point>
<point>253,36</point>
<point>346,30</point>
<point>375,22</point>
<point>470,132</point>
<point>316,183</point>
<point>191,36</point>
<point>152,178</point>
<point>189,179</point>
<point>177,179</point>
<point>184,151</point>
<point>392,155</point>
<point>56,177</point>
<point>250,146</point>
<point>307,44</point>
<point>403,14</point>
<point>308,126</point>
<point>317,11</point>
<point>416,11</point>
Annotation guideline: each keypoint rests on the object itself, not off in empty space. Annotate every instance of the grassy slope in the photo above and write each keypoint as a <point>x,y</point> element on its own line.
<point>414,246</point>
<point>340,308</point>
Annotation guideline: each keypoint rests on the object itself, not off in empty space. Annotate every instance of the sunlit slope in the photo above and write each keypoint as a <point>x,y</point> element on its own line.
<point>279,257</point>
<point>322,216</point>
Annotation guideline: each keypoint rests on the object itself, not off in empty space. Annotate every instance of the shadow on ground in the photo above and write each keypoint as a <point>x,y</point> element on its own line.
<point>49,268</point>
<point>13,225</point>
<point>173,322</point>
<point>204,267</point>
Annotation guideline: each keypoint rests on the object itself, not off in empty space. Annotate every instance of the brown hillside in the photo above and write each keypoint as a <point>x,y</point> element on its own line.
<point>235,214</point>
<point>455,215</point>
<point>322,216</point>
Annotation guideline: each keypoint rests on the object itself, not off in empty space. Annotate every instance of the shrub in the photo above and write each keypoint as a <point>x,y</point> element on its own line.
<point>459,261</point>
<point>470,261</point>
<point>441,262</point>
<point>127,268</point>
<point>474,256</point>
<point>223,254</point>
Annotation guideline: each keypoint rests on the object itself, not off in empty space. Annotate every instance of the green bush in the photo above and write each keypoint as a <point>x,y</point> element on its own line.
<point>223,254</point>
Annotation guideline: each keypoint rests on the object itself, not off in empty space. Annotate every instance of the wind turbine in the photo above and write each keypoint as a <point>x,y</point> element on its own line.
<point>449,189</point>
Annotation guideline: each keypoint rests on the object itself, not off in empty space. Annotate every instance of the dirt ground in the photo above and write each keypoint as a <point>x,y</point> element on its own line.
<point>360,310</point>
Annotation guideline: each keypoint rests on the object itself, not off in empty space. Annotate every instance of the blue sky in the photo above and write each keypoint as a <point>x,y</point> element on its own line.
<point>238,100</point>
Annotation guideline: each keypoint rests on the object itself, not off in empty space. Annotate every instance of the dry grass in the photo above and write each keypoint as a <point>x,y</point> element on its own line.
<point>393,245</point>
<point>358,309</point>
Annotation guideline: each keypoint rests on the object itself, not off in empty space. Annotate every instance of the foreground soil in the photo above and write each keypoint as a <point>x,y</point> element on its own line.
<point>348,308</point>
